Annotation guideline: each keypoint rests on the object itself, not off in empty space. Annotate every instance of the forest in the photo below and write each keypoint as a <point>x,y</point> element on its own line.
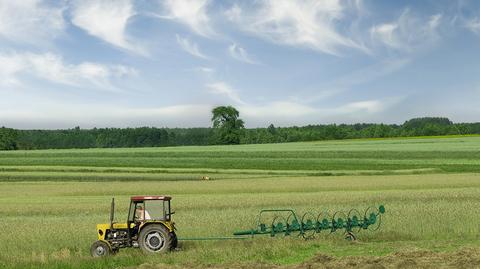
<point>13,139</point>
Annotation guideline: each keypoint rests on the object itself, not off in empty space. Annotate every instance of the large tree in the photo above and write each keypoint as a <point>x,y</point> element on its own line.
<point>228,127</point>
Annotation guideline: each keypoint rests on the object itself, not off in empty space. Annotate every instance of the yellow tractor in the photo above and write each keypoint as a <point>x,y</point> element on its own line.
<point>149,226</point>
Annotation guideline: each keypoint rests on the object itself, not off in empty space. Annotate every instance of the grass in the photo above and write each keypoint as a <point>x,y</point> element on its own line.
<point>349,157</point>
<point>50,200</point>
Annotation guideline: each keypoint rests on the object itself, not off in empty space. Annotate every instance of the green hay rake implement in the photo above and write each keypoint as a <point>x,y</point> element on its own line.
<point>286,222</point>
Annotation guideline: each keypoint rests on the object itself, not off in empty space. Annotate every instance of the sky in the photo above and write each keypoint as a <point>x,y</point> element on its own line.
<point>167,63</point>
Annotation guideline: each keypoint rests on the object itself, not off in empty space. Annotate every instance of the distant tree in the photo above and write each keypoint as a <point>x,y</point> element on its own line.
<point>427,126</point>
<point>271,129</point>
<point>228,130</point>
<point>422,122</point>
<point>227,125</point>
<point>8,139</point>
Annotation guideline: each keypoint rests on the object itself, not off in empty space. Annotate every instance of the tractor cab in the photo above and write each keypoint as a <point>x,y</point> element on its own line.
<point>149,208</point>
<point>149,226</point>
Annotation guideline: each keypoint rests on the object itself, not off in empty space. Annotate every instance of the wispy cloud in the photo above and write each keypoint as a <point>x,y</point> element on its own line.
<point>205,69</point>
<point>408,32</point>
<point>240,54</point>
<point>386,33</point>
<point>277,110</point>
<point>370,106</point>
<point>355,78</point>
<point>67,51</point>
<point>9,67</point>
<point>30,21</point>
<point>192,13</point>
<point>222,88</point>
<point>190,47</point>
<point>52,68</point>
<point>294,110</point>
<point>371,72</point>
<point>309,23</point>
<point>473,25</point>
<point>107,20</point>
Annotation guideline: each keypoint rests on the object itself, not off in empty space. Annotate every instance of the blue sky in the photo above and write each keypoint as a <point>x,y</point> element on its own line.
<point>167,63</point>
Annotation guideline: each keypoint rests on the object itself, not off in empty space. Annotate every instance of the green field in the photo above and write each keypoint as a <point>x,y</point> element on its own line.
<point>50,200</point>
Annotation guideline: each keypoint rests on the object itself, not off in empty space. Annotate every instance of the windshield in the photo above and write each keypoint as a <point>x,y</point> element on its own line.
<point>157,210</point>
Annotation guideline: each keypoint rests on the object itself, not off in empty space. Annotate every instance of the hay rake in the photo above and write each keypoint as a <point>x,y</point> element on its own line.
<point>285,221</point>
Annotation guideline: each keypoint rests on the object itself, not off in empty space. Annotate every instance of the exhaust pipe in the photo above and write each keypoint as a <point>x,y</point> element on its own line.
<point>112,212</point>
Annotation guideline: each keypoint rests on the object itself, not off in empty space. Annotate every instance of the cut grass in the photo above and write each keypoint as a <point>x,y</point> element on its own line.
<point>51,224</point>
<point>53,173</point>
<point>50,200</point>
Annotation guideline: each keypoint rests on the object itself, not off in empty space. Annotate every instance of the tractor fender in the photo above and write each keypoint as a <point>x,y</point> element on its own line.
<point>108,244</point>
<point>167,225</point>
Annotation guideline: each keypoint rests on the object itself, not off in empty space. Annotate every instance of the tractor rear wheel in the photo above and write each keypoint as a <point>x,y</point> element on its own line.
<point>174,244</point>
<point>154,239</point>
<point>100,249</point>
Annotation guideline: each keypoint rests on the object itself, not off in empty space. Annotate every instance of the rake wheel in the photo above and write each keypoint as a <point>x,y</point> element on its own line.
<point>323,221</point>
<point>292,224</point>
<point>308,225</point>
<point>354,219</point>
<point>339,220</point>
<point>373,217</point>
<point>350,236</point>
<point>278,225</point>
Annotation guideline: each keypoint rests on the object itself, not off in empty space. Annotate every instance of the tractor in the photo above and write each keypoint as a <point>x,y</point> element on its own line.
<point>149,226</point>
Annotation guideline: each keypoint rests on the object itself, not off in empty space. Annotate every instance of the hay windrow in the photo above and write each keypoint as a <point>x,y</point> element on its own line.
<point>464,258</point>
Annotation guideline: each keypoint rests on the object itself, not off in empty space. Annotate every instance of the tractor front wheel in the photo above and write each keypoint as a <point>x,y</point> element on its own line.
<point>154,239</point>
<point>100,249</point>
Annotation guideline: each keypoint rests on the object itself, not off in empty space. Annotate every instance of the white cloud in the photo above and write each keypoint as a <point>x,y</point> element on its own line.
<point>19,111</point>
<point>190,47</point>
<point>370,106</point>
<point>295,109</point>
<point>204,69</point>
<point>30,21</point>
<point>240,54</point>
<point>52,68</point>
<point>286,113</point>
<point>192,13</point>
<point>309,23</point>
<point>9,66</point>
<point>234,13</point>
<point>473,25</point>
<point>434,21</point>
<point>222,88</point>
<point>277,110</point>
<point>386,34</point>
<point>48,114</point>
<point>408,32</point>
<point>107,20</point>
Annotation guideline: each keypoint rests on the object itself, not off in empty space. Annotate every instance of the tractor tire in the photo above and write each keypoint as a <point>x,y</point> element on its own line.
<point>100,249</point>
<point>174,241</point>
<point>155,238</point>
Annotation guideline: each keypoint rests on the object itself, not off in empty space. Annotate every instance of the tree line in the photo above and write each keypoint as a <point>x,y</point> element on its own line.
<point>227,128</point>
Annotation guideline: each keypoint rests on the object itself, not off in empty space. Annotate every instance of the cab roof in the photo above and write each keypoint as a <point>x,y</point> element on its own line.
<point>150,197</point>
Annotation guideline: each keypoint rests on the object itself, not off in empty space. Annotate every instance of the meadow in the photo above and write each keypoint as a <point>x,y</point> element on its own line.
<point>50,200</point>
